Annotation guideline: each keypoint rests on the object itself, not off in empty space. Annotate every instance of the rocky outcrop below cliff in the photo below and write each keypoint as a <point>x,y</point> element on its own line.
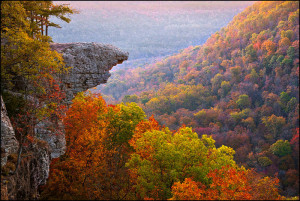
<point>9,143</point>
<point>33,169</point>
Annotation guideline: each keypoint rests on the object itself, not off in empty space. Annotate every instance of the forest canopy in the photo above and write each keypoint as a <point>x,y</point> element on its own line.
<point>241,87</point>
<point>115,152</point>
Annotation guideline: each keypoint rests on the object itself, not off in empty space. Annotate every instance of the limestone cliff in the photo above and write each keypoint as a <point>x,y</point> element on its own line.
<point>90,62</point>
<point>34,165</point>
<point>9,143</point>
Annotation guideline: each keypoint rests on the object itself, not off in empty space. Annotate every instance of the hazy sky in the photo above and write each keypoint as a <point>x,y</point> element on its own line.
<point>156,6</point>
<point>146,28</point>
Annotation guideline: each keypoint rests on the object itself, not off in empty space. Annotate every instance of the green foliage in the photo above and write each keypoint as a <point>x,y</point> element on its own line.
<point>13,16</point>
<point>121,123</point>
<point>286,62</point>
<point>216,81</point>
<point>274,124</point>
<point>130,98</point>
<point>225,86</point>
<point>254,75</point>
<point>281,148</point>
<point>238,116</point>
<point>289,34</point>
<point>236,73</point>
<point>264,161</point>
<point>291,105</point>
<point>279,59</point>
<point>251,53</point>
<point>291,52</point>
<point>97,135</point>
<point>284,97</point>
<point>14,104</point>
<point>24,59</point>
<point>29,73</point>
<point>161,158</point>
<point>40,12</point>
<point>243,101</point>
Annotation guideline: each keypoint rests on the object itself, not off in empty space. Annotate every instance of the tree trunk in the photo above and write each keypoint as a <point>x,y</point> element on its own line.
<point>46,24</point>
<point>31,21</point>
<point>42,26</point>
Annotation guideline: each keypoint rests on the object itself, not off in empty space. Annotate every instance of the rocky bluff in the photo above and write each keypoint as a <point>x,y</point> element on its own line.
<point>90,64</point>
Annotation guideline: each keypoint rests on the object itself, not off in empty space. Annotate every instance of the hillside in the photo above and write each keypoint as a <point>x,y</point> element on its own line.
<point>241,87</point>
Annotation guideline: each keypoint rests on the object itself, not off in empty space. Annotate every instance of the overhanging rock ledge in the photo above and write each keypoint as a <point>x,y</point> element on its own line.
<point>90,62</point>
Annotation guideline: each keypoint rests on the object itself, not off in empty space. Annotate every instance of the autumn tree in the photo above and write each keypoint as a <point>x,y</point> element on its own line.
<point>228,184</point>
<point>281,148</point>
<point>269,46</point>
<point>243,101</point>
<point>97,136</point>
<point>274,124</point>
<point>162,158</point>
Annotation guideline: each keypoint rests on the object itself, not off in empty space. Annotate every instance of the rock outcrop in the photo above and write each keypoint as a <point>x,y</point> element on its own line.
<point>56,141</point>
<point>33,170</point>
<point>9,143</point>
<point>90,62</point>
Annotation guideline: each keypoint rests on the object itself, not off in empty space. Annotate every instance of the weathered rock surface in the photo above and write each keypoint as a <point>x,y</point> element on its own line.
<point>9,143</point>
<point>56,141</point>
<point>90,64</point>
<point>32,172</point>
<point>34,166</point>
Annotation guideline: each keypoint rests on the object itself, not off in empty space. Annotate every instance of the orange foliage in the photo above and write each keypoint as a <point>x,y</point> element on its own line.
<point>228,184</point>
<point>93,166</point>
<point>188,190</point>
<point>142,127</point>
<point>269,46</point>
<point>263,188</point>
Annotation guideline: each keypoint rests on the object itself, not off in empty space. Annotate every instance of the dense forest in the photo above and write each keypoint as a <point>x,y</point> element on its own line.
<point>216,121</point>
<point>241,87</point>
<point>115,152</point>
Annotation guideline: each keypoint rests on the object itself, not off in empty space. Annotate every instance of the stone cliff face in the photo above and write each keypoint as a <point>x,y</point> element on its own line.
<point>9,143</point>
<point>90,62</point>
<point>34,165</point>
